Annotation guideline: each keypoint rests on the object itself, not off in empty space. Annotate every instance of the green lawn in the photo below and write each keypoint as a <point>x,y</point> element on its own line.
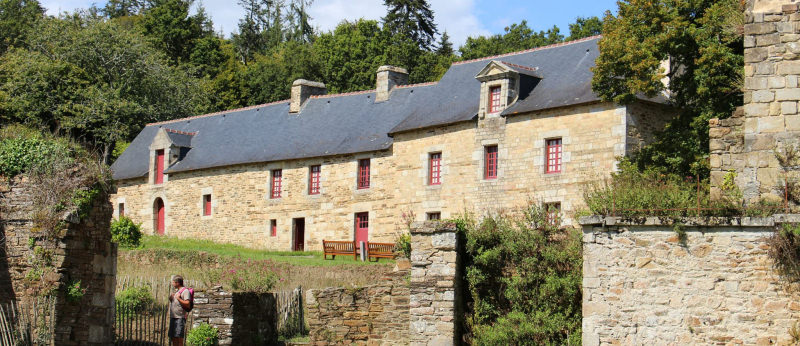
<point>308,258</point>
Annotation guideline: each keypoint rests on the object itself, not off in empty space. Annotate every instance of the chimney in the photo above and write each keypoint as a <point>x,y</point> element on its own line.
<point>388,78</point>
<point>303,89</point>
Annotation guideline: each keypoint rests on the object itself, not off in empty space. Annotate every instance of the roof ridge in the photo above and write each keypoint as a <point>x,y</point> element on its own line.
<point>181,132</point>
<point>349,93</point>
<point>217,113</point>
<point>529,68</point>
<point>560,44</point>
<point>416,85</point>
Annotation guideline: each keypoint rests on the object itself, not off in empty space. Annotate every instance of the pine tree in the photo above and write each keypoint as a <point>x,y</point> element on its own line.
<point>17,17</point>
<point>298,20</point>
<point>445,47</point>
<point>412,19</point>
<point>260,30</point>
<point>123,8</point>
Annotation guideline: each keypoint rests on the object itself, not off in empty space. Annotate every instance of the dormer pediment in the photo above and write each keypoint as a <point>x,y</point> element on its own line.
<point>500,86</point>
<point>495,70</point>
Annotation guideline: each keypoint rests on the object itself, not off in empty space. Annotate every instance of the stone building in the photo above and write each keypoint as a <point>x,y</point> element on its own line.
<point>493,134</point>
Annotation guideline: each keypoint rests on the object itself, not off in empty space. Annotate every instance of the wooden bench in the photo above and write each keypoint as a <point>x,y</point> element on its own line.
<point>343,248</point>
<point>380,250</point>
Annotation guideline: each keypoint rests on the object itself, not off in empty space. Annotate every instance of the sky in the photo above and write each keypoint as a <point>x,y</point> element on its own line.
<point>460,18</point>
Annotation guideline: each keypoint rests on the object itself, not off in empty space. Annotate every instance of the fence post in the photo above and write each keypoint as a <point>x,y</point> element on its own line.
<point>698,194</point>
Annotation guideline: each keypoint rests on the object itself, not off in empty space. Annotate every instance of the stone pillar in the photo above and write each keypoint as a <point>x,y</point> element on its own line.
<point>435,297</point>
<point>302,90</point>
<point>387,79</point>
<point>770,119</point>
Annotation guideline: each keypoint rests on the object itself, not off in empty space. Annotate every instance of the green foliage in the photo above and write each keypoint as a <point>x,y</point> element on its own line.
<point>19,155</point>
<point>126,233</point>
<point>585,27</point>
<point>75,291</point>
<point>404,245</point>
<point>17,19</point>
<point>244,276</point>
<point>412,19</point>
<point>703,43</point>
<point>203,335</point>
<point>784,250</point>
<point>524,279</point>
<point>134,299</point>
<point>516,37</point>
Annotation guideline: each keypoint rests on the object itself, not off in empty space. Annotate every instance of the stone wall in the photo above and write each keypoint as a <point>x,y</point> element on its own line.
<point>436,291</point>
<point>242,318</point>
<point>374,315</point>
<point>770,119</point>
<point>85,253</point>
<point>643,285</point>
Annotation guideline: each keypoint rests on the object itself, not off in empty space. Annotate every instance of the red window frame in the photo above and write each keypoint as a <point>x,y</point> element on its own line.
<point>490,162</point>
<point>552,213</point>
<point>121,209</point>
<point>435,169</point>
<point>313,179</point>
<point>206,205</point>
<point>494,99</point>
<point>275,185</point>
<point>363,173</point>
<point>435,216</point>
<point>553,155</point>
<point>159,166</point>
<point>273,228</point>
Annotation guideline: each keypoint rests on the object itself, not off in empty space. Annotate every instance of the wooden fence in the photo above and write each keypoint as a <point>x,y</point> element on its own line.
<point>291,321</point>
<point>31,322</point>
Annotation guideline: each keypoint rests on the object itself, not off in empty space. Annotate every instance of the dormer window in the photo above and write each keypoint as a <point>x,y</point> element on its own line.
<point>159,167</point>
<point>494,99</point>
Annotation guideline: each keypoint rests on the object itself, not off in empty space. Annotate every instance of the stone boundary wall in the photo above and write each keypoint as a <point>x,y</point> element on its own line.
<point>242,318</point>
<point>84,254</point>
<point>642,285</point>
<point>436,299</point>
<point>375,315</point>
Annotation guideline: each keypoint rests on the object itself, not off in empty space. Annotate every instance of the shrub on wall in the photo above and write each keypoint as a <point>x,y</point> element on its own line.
<point>203,335</point>
<point>126,233</point>
<point>524,280</point>
<point>784,249</point>
<point>134,299</point>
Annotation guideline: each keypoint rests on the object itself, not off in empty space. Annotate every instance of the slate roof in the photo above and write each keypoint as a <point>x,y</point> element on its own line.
<point>353,122</point>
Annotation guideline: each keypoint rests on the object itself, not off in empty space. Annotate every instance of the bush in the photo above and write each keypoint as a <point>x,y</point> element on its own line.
<point>203,335</point>
<point>524,280</point>
<point>249,276</point>
<point>134,299</point>
<point>126,233</point>
<point>784,249</point>
<point>75,292</point>
<point>404,245</point>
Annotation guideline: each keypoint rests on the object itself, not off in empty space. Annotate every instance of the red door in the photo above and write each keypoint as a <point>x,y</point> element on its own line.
<point>362,228</point>
<point>299,234</point>
<point>159,166</point>
<point>159,211</point>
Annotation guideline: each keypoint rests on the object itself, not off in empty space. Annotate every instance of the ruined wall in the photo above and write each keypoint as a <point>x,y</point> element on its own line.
<point>643,285</point>
<point>242,318</point>
<point>84,254</point>
<point>375,315</point>
<point>770,119</point>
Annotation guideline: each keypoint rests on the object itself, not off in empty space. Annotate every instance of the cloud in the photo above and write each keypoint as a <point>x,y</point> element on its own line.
<point>458,18</point>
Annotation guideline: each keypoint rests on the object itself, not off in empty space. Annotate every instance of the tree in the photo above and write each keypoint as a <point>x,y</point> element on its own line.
<point>96,81</point>
<point>175,31</point>
<point>17,17</point>
<point>269,77</point>
<point>123,8</point>
<point>703,43</point>
<point>517,37</point>
<point>412,19</point>
<point>585,27</point>
<point>300,29</point>
<point>445,47</point>
<point>260,30</point>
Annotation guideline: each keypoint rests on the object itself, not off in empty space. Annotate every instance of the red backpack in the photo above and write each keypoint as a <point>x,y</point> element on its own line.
<point>191,298</point>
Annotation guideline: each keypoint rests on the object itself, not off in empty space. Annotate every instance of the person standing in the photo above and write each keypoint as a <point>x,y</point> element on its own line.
<point>178,305</point>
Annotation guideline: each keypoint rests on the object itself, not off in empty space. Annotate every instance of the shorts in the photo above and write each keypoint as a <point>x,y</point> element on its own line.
<point>177,327</point>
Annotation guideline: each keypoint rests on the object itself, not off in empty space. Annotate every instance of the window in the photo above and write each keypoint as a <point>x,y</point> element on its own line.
<point>553,152</point>
<point>363,174</point>
<point>121,209</point>
<point>494,99</point>
<point>159,166</point>
<point>435,169</point>
<point>273,228</point>
<point>435,216</point>
<point>313,179</point>
<point>206,205</point>
<point>490,162</point>
<point>275,186</point>
<point>553,212</point>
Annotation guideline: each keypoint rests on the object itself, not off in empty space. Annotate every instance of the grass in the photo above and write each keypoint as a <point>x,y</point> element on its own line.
<point>302,258</point>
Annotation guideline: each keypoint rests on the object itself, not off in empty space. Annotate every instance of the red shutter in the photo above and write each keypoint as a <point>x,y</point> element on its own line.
<point>435,169</point>
<point>273,228</point>
<point>275,188</point>
<point>494,99</point>
<point>363,174</point>
<point>553,155</point>
<point>160,166</point>
<point>207,205</point>
<point>313,180</point>
<point>491,162</point>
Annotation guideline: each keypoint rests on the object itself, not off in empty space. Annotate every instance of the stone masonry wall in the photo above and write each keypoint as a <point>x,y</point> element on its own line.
<point>770,119</point>
<point>84,254</point>
<point>373,315</point>
<point>436,298</point>
<point>642,285</point>
<point>244,318</point>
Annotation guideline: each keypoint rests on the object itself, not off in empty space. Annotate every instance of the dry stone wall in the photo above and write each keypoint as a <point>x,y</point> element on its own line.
<point>242,318</point>
<point>84,254</point>
<point>643,285</point>
<point>373,315</point>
